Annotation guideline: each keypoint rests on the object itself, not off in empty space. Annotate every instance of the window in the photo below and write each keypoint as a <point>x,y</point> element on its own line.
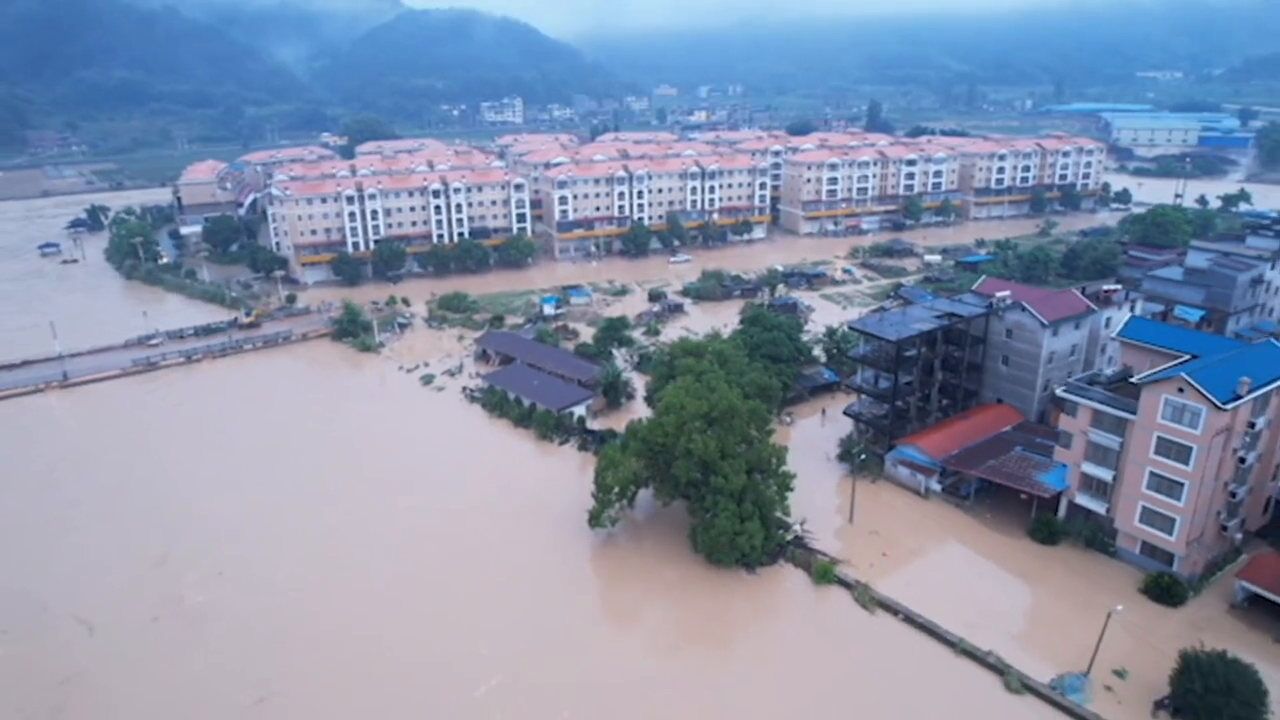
<point>1055,331</point>
<point>1101,455</point>
<point>1070,408</point>
<point>1064,439</point>
<point>1170,450</point>
<point>1157,521</point>
<point>1169,488</point>
<point>1160,555</point>
<point>1094,487</point>
<point>1050,360</point>
<point>1185,415</point>
<point>1008,333</point>
<point>1004,360</point>
<point>1074,349</point>
<point>1108,423</point>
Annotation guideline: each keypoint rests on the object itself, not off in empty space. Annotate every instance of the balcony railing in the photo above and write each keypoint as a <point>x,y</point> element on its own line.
<point>876,386</point>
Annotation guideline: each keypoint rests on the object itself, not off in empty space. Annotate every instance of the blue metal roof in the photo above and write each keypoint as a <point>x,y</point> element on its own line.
<point>1219,375</point>
<point>1173,338</point>
<point>976,259</point>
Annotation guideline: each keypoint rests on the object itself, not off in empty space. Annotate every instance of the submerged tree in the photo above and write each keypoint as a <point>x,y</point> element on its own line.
<point>711,447</point>
<point>615,387</point>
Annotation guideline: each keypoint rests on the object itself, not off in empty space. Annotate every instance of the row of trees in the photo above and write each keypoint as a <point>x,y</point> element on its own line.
<point>1174,226</point>
<point>466,256</point>
<point>1083,260</point>
<point>709,442</point>
<point>638,240</point>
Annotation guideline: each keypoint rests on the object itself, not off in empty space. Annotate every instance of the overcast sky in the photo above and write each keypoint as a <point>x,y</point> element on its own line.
<point>573,18</point>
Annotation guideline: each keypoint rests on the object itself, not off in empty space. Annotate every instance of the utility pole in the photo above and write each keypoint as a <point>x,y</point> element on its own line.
<point>1098,645</point>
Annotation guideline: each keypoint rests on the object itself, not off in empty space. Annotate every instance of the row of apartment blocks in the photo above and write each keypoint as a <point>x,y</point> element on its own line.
<point>860,185</point>
<point>581,197</point>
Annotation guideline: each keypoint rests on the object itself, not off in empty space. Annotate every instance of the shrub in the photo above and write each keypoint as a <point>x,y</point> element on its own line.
<point>291,299</point>
<point>823,572</point>
<point>458,302</point>
<point>1013,683</point>
<point>1046,530</point>
<point>865,597</point>
<point>1166,589</point>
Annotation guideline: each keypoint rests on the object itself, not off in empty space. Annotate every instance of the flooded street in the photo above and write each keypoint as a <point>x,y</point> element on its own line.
<point>1161,190</point>
<point>87,301</point>
<point>308,532</point>
<point>975,571</point>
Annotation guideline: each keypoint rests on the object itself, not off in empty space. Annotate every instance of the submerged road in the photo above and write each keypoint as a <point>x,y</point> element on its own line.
<point>123,360</point>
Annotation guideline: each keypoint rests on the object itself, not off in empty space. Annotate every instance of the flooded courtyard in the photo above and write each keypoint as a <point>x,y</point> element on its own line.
<point>308,532</point>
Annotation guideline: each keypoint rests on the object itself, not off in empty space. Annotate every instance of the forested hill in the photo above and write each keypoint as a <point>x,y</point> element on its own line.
<point>102,57</point>
<point>460,55</point>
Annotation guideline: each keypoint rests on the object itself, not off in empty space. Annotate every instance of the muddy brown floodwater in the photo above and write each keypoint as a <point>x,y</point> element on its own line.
<point>87,301</point>
<point>307,532</point>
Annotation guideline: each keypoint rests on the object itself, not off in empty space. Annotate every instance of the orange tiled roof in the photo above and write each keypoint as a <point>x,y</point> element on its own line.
<point>202,171</point>
<point>964,430</point>
<point>288,154</point>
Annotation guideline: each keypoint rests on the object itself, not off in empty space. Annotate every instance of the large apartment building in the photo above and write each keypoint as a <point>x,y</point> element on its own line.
<point>1176,450</point>
<point>310,220</point>
<point>858,186</point>
<point>587,205</point>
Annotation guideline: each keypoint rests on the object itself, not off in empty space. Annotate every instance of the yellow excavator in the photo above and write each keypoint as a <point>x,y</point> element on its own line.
<point>251,318</point>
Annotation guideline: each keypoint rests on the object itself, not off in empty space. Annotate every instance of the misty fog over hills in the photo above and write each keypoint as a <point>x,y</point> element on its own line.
<point>220,66</point>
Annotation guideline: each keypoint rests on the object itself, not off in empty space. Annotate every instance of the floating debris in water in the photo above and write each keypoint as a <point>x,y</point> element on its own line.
<point>427,378</point>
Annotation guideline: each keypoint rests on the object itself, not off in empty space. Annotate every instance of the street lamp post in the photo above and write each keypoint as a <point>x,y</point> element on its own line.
<point>1098,645</point>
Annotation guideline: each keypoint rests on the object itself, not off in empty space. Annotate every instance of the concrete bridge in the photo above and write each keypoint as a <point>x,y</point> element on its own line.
<point>173,347</point>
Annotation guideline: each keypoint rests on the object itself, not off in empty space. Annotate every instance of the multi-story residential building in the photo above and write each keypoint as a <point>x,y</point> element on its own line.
<point>1114,303</point>
<point>1176,451</point>
<point>839,190</point>
<point>587,205</point>
<point>203,191</point>
<point>507,111</point>
<point>917,364</point>
<point>311,220</point>
<point>1037,338</point>
<point>1214,291</point>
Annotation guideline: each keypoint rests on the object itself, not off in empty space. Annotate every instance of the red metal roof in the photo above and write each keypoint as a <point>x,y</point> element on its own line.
<point>1049,304</point>
<point>964,430</point>
<point>1263,571</point>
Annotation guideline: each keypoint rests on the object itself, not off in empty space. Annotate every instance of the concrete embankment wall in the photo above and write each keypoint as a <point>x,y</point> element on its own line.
<point>804,557</point>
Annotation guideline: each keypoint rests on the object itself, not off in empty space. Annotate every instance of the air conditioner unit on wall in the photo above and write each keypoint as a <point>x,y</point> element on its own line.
<point>1259,423</point>
<point>1237,493</point>
<point>1247,459</point>
<point>1231,527</point>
